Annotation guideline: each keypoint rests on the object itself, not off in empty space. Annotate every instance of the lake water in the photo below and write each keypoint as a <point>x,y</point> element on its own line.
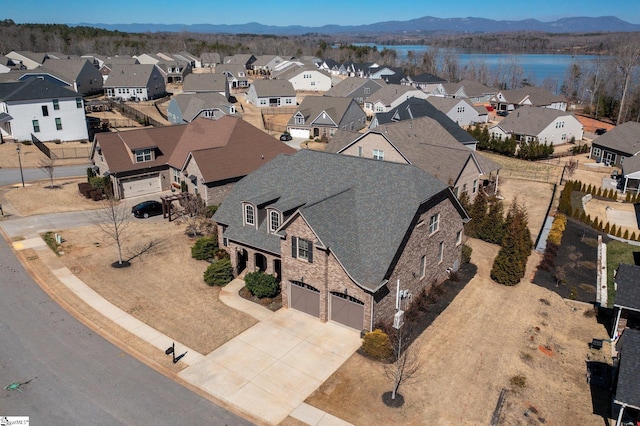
<point>537,67</point>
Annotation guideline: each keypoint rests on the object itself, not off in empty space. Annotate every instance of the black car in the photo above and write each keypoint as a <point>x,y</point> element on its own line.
<point>601,131</point>
<point>285,137</point>
<point>503,113</point>
<point>147,208</point>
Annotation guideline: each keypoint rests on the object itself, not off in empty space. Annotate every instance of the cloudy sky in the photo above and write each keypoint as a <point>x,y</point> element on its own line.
<point>289,12</point>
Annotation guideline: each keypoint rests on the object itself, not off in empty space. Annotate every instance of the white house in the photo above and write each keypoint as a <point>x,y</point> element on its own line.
<point>44,109</point>
<point>390,97</point>
<point>271,93</point>
<point>306,78</point>
<point>459,110</point>
<point>139,81</point>
<point>547,125</point>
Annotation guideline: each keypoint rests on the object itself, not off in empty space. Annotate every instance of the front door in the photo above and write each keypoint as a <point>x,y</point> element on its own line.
<point>609,158</point>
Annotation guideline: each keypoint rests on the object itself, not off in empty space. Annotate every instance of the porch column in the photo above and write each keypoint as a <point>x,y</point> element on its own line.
<point>626,181</point>
<point>619,420</point>
<point>614,332</point>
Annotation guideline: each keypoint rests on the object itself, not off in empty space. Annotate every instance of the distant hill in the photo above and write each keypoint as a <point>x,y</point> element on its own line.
<point>427,24</point>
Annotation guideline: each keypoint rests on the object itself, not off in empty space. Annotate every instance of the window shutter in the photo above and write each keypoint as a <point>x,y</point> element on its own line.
<point>310,252</point>
<point>294,247</point>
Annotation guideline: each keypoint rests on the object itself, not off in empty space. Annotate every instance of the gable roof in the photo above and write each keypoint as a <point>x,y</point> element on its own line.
<point>537,95</point>
<point>389,93</point>
<point>130,75</point>
<point>294,70</point>
<point>424,143</point>
<point>69,69</point>
<point>414,108</point>
<point>531,120</point>
<point>447,104</point>
<point>427,78</point>
<point>210,57</point>
<point>207,82</point>
<point>624,138</point>
<point>33,89</point>
<point>361,209</point>
<point>312,106</point>
<point>239,59</point>
<point>627,389</point>
<point>264,88</point>
<point>191,104</point>
<point>349,85</point>
<point>627,281</point>
<point>472,89</point>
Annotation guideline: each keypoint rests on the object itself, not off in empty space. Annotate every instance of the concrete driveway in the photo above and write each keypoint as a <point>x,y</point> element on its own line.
<point>271,368</point>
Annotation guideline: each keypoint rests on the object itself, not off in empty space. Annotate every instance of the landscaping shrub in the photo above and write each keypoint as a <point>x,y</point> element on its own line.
<point>219,273</point>
<point>211,210</point>
<point>204,248</point>
<point>466,253</point>
<point>262,285</point>
<point>377,345</point>
<point>519,381</point>
<point>557,228</point>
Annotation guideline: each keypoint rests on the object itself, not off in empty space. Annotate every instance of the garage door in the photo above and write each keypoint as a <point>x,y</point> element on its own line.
<point>299,133</point>
<point>145,185</point>
<point>305,298</point>
<point>347,310</point>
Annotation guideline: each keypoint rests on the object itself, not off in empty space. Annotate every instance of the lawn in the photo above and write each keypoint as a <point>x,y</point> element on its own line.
<point>617,253</point>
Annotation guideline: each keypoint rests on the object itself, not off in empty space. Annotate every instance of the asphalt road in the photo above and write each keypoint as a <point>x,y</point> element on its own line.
<point>75,377</point>
<point>12,176</point>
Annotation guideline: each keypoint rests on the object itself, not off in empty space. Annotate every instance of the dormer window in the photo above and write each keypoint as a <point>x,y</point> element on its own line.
<point>274,220</point>
<point>249,215</point>
<point>299,119</point>
<point>143,155</point>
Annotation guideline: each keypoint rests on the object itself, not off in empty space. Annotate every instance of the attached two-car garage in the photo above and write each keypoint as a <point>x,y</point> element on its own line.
<point>343,308</point>
<point>140,185</point>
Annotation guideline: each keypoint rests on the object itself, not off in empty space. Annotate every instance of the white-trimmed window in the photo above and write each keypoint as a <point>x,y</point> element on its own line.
<point>378,154</point>
<point>440,251</point>
<point>359,151</point>
<point>45,111</point>
<point>434,223</point>
<point>56,104</point>
<point>58,123</point>
<point>475,186</point>
<point>36,126</point>
<point>301,249</point>
<point>596,152</point>
<point>143,155</point>
<point>78,102</point>
<point>423,266</point>
<point>176,175</point>
<point>299,119</point>
<point>367,90</point>
<point>249,215</point>
<point>274,220</point>
<point>459,238</point>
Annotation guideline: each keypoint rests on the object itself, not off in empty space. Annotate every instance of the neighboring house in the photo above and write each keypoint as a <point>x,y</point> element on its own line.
<point>194,61</point>
<point>206,83</point>
<point>264,64</point>
<point>626,304</point>
<point>474,91</point>
<point>46,110</point>
<point>29,60</point>
<point>321,116</point>
<point>245,60</point>
<point>425,143</point>
<point>209,59</point>
<point>173,67</point>
<point>129,82</point>
<point>209,156</point>
<point>306,78</point>
<point>626,399</point>
<point>414,108</point>
<point>391,75</point>
<point>271,93</point>
<point>331,66</point>
<point>356,88</point>
<point>236,75</point>
<point>631,174</point>
<point>109,63</point>
<point>459,110</point>
<point>342,233</point>
<point>615,147</point>
<point>79,74</point>
<point>546,125</point>
<point>389,97</point>
<point>508,100</point>
<point>425,81</point>
<point>186,107</point>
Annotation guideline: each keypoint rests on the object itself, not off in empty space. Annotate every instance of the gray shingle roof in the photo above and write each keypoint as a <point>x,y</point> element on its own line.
<point>33,88</point>
<point>359,208</point>
<point>207,82</point>
<point>627,390</point>
<point>446,104</point>
<point>631,165</point>
<point>624,138</point>
<point>531,120</point>
<point>628,287</point>
<point>312,106</point>
<point>266,88</point>
<point>537,95</point>
<point>136,75</point>
<point>350,84</point>
<point>191,104</point>
<point>389,93</point>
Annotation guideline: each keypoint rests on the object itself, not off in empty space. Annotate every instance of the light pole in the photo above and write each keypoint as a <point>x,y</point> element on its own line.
<point>20,162</point>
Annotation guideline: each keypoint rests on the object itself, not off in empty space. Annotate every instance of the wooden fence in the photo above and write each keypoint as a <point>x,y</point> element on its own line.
<point>139,116</point>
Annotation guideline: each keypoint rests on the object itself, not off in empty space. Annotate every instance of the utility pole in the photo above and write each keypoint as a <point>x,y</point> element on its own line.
<point>20,163</point>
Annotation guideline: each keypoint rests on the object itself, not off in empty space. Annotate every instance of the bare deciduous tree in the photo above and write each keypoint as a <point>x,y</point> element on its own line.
<point>627,58</point>
<point>406,366</point>
<point>113,220</point>
<point>195,217</point>
<point>48,166</point>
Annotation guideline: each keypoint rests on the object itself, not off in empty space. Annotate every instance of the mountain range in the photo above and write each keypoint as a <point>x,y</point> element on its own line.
<point>426,24</point>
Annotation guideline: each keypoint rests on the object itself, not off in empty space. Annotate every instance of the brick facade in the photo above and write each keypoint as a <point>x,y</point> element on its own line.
<point>374,141</point>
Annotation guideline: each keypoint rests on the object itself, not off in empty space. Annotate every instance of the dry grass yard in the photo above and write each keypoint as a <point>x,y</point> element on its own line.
<point>69,153</point>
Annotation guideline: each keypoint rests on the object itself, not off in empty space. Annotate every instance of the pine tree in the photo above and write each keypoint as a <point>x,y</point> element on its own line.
<point>613,230</point>
<point>607,228</point>
<point>633,236</point>
<point>477,212</point>
<point>599,193</point>
<point>492,227</point>
<point>626,234</point>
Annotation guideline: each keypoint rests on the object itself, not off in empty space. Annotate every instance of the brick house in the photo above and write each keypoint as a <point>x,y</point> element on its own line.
<point>340,231</point>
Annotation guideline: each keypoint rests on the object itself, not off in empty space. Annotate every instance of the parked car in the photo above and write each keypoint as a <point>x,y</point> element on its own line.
<point>147,208</point>
<point>601,131</point>
<point>503,113</point>
<point>285,137</point>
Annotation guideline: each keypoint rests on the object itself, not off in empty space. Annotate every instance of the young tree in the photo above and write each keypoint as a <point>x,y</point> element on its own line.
<point>48,166</point>
<point>406,365</point>
<point>113,220</point>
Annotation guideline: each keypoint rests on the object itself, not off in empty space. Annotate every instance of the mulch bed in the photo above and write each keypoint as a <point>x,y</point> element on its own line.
<point>577,256</point>
<point>271,303</point>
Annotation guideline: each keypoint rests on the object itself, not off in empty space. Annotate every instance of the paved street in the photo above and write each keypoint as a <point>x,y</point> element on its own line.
<point>76,377</point>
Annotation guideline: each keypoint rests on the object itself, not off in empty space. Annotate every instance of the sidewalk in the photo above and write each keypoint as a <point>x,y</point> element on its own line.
<point>266,372</point>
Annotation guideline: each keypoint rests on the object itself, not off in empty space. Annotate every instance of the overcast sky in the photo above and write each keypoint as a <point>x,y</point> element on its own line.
<point>289,12</point>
